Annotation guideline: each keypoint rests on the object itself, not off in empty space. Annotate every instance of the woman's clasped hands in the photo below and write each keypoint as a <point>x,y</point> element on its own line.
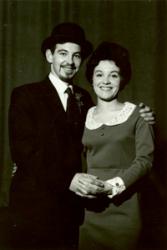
<point>90,186</point>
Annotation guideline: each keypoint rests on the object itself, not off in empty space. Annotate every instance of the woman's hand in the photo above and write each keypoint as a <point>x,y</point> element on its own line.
<point>114,186</point>
<point>86,185</point>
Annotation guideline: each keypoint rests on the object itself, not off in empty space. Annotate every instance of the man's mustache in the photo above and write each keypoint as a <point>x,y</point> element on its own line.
<point>71,66</point>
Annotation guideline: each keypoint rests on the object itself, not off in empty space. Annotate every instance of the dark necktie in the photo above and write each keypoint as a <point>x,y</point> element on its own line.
<point>72,108</point>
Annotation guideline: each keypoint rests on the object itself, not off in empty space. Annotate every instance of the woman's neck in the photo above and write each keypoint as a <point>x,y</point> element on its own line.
<point>104,106</point>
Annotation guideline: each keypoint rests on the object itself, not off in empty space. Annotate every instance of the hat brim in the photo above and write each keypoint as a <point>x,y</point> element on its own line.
<point>50,42</point>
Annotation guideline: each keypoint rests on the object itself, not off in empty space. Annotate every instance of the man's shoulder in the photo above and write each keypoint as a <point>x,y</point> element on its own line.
<point>29,86</point>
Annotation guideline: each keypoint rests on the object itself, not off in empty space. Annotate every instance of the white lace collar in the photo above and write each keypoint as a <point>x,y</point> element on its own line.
<point>117,117</point>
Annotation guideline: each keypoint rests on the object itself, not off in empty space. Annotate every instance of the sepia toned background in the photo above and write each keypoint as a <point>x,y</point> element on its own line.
<point>140,26</point>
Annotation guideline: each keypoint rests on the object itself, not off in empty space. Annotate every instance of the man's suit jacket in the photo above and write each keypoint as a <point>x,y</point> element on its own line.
<point>47,154</point>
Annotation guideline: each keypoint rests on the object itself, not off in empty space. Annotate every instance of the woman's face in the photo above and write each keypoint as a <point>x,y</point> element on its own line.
<point>106,80</point>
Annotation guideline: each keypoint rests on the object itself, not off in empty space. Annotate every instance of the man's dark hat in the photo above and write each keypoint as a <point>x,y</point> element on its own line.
<point>68,32</point>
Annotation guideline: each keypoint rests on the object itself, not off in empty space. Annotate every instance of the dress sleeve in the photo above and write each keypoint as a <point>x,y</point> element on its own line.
<point>144,143</point>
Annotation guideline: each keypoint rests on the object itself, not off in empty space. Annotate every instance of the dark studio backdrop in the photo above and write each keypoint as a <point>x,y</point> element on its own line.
<point>139,25</point>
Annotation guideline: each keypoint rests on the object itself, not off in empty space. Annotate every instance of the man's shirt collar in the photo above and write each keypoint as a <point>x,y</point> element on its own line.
<point>60,85</point>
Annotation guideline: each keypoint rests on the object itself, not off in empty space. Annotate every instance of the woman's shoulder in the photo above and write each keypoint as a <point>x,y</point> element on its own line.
<point>91,110</point>
<point>135,116</point>
<point>133,110</point>
<point>90,122</point>
<point>129,107</point>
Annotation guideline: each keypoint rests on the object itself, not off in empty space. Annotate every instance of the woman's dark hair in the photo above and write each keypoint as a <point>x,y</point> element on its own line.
<point>114,52</point>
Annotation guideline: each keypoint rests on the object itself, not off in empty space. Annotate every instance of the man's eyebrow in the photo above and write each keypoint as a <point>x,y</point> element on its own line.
<point>59,50</point>
<point>64,50</point>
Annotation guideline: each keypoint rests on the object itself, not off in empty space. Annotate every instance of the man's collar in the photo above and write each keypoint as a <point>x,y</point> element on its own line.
<point>60,85</point>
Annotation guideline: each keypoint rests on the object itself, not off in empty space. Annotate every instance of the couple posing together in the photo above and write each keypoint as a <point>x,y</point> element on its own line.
<point>49,191</point>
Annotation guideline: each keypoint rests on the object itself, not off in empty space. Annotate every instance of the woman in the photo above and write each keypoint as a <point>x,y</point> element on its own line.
<point>119,148</point>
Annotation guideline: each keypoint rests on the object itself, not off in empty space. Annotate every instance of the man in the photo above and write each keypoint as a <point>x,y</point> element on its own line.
<point>45,142</point>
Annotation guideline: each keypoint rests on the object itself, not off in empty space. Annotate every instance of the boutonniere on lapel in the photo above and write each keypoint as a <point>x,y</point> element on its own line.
<point>79,100</point>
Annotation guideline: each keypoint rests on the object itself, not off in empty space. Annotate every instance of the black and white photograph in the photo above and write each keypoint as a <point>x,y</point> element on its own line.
<point>83,138</point>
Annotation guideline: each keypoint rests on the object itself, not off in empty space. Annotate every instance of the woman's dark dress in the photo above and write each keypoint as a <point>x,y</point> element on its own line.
<point>123,148</point>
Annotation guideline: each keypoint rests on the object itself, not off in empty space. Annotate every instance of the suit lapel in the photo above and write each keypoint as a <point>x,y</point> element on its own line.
<point>52,100</point>
<point>55,108</point>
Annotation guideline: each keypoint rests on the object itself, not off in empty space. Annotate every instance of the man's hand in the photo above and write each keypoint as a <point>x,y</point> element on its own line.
<point>147,113</point>
<point>14,169</point>
<point>86,185</point>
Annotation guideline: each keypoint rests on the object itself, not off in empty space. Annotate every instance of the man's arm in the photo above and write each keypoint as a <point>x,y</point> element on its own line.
<point>22,135</point>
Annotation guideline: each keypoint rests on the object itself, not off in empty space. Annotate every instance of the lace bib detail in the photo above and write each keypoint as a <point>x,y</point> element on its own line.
<point>118,117</point>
